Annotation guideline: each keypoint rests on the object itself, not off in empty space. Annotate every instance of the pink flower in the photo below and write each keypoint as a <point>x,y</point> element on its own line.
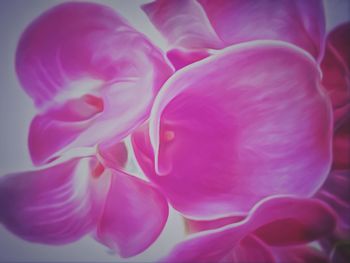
<point>247,139</point>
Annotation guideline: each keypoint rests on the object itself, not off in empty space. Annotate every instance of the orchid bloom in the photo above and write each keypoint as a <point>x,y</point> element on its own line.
<point>91,75</point>
<point>243,129</point>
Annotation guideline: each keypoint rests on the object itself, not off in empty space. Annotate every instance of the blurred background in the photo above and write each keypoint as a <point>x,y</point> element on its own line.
<point>17,110</point>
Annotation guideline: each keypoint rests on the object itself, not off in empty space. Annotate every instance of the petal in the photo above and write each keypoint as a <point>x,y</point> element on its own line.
<point>244,135</point>
<point>215,245</point>
<point>298,22</point>
<point>339,38</point>
<point>134,215</point>
<point>216,24</point>
<point>183,23</point>
<point>51,131</point>
<point>336,71</point>
<point>50,206</point>
<point>113,154</point>
<point>77,49</point>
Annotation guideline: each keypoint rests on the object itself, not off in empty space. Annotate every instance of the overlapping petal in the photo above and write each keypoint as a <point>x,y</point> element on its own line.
<point>51,205</point>
<point>79,50</point>
<point>225,132</point>
<point>336,71</point>
<point>206,24</point>
<point>336,192</point>
<point>134,215</point>
<point>66,201</point>
<point>219,245</point>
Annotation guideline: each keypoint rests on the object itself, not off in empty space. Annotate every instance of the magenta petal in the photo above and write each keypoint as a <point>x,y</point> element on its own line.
<point>298,22</point>
<point>59,126</point>
<point>336,71</point>
<point>183,23</point>
<point>238,147</point>
<point>50,206</point>
<point>216,245</point>
<point>77,50</point>
<point>134,215</point>
<point>206,24</point>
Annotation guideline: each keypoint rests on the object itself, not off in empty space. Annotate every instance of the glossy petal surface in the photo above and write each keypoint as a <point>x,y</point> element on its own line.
<point>222,142</point>
<point>76,50</point>
<point>216,24</point>
<point>134,215</point>
<point>50,206</point>
<point>216,245</point>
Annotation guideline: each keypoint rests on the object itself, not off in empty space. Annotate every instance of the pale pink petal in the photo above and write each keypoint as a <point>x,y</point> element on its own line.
<point>206,24</point>
<point>222,142</point>
<point>183,23</point>
<point>77,49</point>
<point>50,206</point>
<point>216,245</point>
<point>134,215</point>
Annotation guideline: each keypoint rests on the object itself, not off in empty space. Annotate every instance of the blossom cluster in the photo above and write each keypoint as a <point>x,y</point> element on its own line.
<point>242,125</point>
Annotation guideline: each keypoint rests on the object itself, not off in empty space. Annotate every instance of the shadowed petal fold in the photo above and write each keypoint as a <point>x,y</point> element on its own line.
<point>216,136</point>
